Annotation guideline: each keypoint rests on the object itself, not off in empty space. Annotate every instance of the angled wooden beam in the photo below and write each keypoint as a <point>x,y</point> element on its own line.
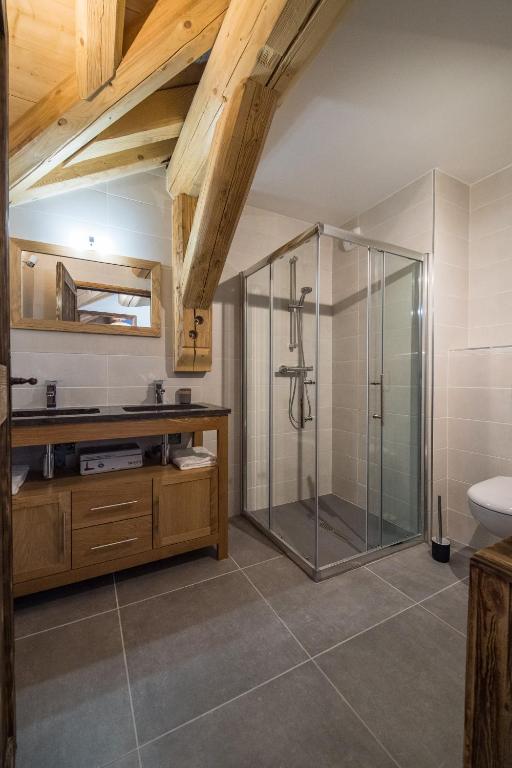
<point>160,116</point>
<point>192,327</point>
<point>266,40</point>
<point>174,34</point>
<point>101,169</point>
<point>239,138</point>
<point>99,26</point>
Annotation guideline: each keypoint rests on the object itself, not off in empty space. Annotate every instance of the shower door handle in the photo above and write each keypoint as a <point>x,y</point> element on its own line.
<point>380,384</point>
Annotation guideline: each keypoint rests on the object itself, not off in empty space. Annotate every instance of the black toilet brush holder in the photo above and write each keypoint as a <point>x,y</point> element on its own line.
<point>440,544</point>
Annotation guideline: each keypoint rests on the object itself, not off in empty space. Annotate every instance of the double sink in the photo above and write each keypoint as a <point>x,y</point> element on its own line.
<point>51,412</point>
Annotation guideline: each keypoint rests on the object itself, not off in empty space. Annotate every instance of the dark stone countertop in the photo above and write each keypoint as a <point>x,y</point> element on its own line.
<point>41,416</point>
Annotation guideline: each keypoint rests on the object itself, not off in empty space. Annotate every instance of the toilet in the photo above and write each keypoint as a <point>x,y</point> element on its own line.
<point>490,503</point>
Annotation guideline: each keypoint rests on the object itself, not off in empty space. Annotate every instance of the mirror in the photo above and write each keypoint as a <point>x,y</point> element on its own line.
<point>55,288</point>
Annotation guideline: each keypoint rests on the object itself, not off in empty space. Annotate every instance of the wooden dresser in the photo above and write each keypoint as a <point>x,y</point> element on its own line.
<point>488,723</point>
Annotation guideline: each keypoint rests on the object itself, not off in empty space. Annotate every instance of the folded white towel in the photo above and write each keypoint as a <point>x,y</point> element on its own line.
<point>193,458</point>
<point>19,474</point>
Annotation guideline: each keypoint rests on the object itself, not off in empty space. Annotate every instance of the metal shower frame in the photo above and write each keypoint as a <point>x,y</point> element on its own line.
<point>318,573</point>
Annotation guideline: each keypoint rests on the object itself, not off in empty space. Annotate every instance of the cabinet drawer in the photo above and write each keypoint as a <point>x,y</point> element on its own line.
<point>99,543</point>
<point>115,501</point>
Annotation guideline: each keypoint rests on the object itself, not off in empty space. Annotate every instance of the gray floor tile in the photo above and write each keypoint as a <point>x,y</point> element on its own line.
<point>128,761</point>
<point>247,545</point>
<point>166,575</point>
<point>415,573</point>
<point>321,615</point>
<point>296,721</point>
<point>193,649</point>
<point>451,605</point>
<point>406,679</point>
<point>73,705</point>
<point>44,610</point>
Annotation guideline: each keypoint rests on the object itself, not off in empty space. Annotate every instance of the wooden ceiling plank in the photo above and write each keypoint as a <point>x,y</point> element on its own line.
<point>99,43</point>
<point>160,116</point>
<point>239,138</point>
<point>98,170</point>
<point>173,36</point>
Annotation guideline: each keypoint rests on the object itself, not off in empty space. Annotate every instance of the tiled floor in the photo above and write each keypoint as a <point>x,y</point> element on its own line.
<point>246,663</point>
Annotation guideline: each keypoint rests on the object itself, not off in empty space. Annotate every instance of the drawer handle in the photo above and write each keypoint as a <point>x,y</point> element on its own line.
<point>115,543</point>
<point>112,506</point>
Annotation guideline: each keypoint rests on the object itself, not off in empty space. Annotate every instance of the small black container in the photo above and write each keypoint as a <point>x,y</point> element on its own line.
<point>441,550</point>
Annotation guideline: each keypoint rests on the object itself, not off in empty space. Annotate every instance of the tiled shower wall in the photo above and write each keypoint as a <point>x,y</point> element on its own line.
<point>293,450</point>
<point>132,217</point>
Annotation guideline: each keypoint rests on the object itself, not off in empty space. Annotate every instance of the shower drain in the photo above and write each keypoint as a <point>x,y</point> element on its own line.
<point>328,527</point>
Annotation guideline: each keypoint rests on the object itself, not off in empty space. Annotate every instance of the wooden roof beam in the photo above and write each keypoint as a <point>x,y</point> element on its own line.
<point>101,169</point>
<point>261,45</point>
<point>175,33</point>
<point>239,138</point>
<point>99,28</point>
<point>160,116</point>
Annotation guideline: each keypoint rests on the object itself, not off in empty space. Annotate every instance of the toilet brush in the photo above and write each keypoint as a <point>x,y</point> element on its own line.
<point>440,545</point>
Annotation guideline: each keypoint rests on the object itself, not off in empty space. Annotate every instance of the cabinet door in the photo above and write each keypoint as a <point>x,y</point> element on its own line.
<point>185,508</point>
<point>41,536</point>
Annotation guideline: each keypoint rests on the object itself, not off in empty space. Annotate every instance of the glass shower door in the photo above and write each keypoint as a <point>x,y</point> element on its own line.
<point>394,399</point>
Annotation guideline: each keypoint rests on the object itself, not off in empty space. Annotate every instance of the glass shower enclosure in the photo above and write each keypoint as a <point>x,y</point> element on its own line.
<point>333,398</point>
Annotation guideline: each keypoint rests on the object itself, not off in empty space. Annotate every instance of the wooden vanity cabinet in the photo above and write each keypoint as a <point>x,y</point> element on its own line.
<point>73,528</point>
<point>184,508</point>
<point>41,536</point>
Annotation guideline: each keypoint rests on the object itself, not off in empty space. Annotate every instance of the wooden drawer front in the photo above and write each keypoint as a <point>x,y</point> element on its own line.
<point>116,501</point>
<point>99,543</point>
<point>185,510</point>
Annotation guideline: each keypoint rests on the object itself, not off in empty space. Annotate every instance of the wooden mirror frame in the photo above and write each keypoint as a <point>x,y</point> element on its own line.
<point>17,246</point>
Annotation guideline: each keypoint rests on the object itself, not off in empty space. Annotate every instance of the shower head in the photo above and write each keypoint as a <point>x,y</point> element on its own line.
<point>303,293</point>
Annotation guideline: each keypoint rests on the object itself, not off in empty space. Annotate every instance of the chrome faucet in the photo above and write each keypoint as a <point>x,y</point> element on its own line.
<point>159,392</point>
<point>51,394</point>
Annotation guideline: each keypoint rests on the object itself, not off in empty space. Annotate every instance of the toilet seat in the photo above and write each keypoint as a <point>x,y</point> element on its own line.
<point>490,502</point>
<point>494,494</point>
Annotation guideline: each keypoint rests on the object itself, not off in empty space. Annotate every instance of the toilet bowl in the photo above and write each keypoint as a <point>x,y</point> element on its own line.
<point>490,503</point>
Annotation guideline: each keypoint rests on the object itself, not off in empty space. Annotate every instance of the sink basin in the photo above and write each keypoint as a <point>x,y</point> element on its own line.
<point>48,412</point>
<point>164,407</point>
